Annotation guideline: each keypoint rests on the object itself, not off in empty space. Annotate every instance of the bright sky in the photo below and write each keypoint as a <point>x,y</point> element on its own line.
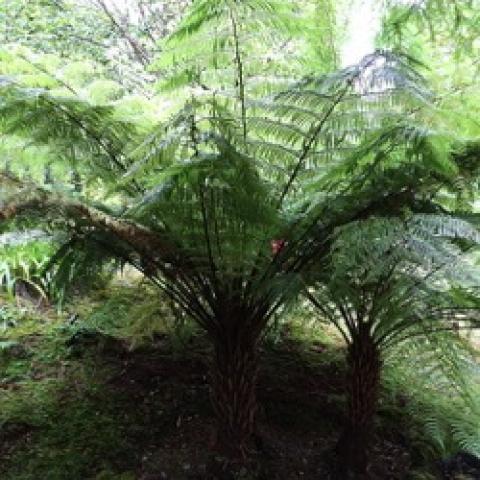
<point>364,23</point>
<point>363,26</point>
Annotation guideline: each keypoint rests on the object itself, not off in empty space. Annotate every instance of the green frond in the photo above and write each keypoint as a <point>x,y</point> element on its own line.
<point>217,194</point>
<point>439,371</point>
<point>400,276</point>
<point>98,137</point>
<point>264,13</point>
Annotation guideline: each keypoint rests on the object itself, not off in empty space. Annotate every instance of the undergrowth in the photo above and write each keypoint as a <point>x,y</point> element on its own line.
<point>114,386</point>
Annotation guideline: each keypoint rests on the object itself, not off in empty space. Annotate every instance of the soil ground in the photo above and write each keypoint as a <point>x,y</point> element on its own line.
<point>83,405</point>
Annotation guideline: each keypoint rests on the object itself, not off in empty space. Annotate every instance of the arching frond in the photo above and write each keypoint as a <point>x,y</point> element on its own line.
<point>400,277</point>
<point>98,136</point>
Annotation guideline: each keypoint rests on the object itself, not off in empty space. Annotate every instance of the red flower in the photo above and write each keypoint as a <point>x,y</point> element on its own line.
<point>277,246</point>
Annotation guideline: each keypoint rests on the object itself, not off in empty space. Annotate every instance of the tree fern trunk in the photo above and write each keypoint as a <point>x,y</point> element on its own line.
<point>234,378</point>
<point>364,368</point>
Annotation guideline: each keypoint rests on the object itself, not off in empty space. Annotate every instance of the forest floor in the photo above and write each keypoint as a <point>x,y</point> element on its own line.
<point>79,404</point>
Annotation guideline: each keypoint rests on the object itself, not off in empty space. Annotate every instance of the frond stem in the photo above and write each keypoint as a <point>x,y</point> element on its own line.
<point>239,63</point>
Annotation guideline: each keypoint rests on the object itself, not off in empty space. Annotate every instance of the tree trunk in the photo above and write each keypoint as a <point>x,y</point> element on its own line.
<point>233,390</point>
<point>364,367</point>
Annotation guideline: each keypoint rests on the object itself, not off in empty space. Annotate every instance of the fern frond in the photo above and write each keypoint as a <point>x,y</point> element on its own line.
<point>48,120</point>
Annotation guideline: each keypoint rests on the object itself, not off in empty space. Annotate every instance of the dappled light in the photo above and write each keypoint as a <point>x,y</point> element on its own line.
<point>239,239</point>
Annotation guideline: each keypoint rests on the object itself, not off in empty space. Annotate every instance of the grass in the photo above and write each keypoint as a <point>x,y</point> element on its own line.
<point>113,388</point>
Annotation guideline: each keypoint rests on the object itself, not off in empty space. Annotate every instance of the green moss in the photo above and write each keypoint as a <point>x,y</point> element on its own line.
<point>78,417</point>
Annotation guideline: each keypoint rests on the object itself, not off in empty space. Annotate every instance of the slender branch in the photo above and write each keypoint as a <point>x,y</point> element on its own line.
<point>140,53</point>
<point>238,61</point>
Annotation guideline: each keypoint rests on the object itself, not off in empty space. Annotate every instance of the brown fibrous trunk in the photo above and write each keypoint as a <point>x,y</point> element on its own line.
<point>233,394</point>
<point>364,368</point>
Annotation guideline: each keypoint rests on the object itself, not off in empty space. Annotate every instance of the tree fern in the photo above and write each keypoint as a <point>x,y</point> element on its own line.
<point>197,204</point>
<point>391,280</point>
